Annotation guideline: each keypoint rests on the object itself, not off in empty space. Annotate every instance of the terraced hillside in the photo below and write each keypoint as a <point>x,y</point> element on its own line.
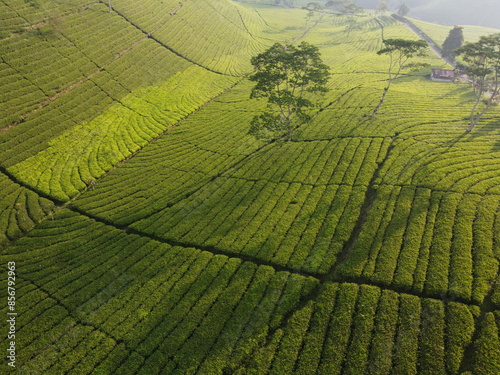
<point>152,235</point>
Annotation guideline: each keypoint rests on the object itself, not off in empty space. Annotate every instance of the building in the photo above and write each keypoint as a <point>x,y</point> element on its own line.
<point>445,75</point>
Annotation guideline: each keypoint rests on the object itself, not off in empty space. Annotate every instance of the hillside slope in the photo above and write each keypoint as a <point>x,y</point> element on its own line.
<point>153,235</point>
<point>61,81</point>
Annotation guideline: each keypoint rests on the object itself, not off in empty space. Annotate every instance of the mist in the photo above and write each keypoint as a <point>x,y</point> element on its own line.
<point>448,12</point>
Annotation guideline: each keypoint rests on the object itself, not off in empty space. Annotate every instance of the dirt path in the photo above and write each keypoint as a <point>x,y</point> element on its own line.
<point>432,44</point>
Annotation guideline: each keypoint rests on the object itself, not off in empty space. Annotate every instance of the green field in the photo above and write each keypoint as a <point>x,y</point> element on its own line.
<point>151,234</point>
<point>438,33</point>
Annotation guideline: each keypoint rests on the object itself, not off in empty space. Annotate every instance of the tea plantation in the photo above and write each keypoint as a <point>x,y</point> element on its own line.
<point>151,234</point>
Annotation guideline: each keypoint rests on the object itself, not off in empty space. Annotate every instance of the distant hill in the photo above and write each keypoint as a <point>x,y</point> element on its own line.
<point>449,12</point>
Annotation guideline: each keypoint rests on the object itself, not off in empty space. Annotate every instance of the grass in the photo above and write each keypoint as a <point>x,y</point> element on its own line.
<point>152,234</point>
<point>439,33</point>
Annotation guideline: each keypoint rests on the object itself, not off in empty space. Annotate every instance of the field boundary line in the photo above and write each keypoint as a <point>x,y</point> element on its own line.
<point>49,20</point>
<point>210,249</point>
<point>63,204</point>
<point>76,319</point>
<point>150,35</point>
<point>323,278</point>
<point>437,190</point>
<point>100,69</point>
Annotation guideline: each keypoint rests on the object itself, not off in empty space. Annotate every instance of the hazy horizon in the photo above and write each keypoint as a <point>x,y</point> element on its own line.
<point>449,12</point>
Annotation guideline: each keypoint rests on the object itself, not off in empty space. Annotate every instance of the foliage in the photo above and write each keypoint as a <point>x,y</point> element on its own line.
<point>285,74</point>
<point>334,4</point>
<point>313,6</point>
<point>382,6</point>
<point>403,10</point>
<point>20,209</point>
<point>482,61</point>
<point>94,147</point>
<point>351,9</point>
<point>352,24</point>
<point>454,41</point>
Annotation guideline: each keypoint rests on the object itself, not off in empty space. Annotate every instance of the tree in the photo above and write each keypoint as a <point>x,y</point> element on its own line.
<point>454,41</point>
<point>352,24</point>
<point>403,10</point>
<point>482,61</point>
<point>351,9</point>
<point>382,6</point>
<point>109,4</point>
<point>334,4</point>
<point>399,52</point>
<point>285,74</point>
<point>284,3</point>
<point>313,6</point>
<point>308,17</point>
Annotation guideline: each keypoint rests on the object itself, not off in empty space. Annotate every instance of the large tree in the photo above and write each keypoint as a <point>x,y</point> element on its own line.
<point>399,52</point>
<point>313,6</point>
<point>482,65</point>
<point>286,75</point>
<point>382,6</point>
<point>403,10</point>
<point>352,24</point>
<point>351,9</point>
<point>453,41</point>
<point>334,4</point>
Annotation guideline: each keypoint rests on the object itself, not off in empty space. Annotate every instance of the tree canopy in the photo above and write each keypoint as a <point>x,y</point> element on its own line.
<point>403,10</point>
<point>314,6</point>
<point>482,61</point>
<point>285,75</point>
<point>382,6</point>
<point>453,41</point>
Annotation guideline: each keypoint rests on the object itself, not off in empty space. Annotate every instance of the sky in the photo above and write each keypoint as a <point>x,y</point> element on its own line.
<point>448,12</point>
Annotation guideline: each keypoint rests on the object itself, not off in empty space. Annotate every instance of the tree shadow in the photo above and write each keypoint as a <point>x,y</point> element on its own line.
<point>32,3</point>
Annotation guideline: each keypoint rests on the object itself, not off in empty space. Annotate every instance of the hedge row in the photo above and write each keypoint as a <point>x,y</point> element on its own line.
<point>213,35</point>
<point>20,209</point>
<point>87,151</point>
<point>351,329</point>
<point>172,307</point>
<point>432,242</point>
<point>468,167</point>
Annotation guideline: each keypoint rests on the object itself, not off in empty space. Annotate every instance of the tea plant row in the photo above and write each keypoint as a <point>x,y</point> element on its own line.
<point>125,301</point>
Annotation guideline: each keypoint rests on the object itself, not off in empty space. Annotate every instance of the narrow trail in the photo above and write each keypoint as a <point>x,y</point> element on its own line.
<point>370,196</point>
<point>307,30</point>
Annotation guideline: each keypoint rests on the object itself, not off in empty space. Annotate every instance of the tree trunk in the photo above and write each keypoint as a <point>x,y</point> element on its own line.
<point>288,130</point>
<point>109,4</point>
<point>475,121</point>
